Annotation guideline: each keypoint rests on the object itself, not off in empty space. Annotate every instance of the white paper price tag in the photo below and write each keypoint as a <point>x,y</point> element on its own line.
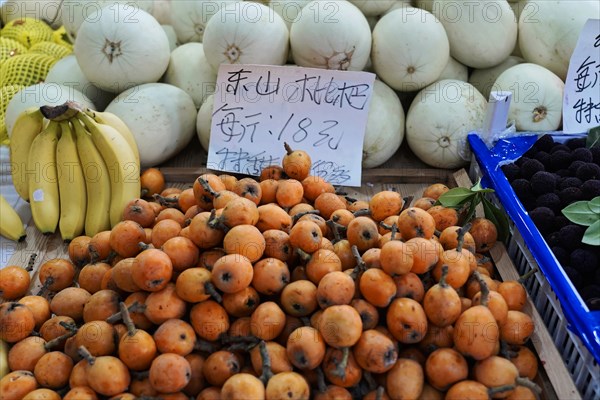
<point>581,105</point>
<point>259,108</point>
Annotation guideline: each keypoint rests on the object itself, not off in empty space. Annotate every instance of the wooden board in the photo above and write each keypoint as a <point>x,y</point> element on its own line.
<point>553,375</point>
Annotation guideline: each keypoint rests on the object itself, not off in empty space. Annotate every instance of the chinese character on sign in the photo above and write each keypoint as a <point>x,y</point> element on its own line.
<point>581,105</point>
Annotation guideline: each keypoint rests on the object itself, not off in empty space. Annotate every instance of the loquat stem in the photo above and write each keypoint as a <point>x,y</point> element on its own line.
<point>485,290</point>
<point>287,148</point>
<point>500,389</point>
<point>461,236</point>
<point>140,375</point>
<point>360,264</point>
<point>296,217</point>
<point>144,192</point>
<point>537,391</point>
<point>379,393</point>
<point>443,284</point>
<point>394,231</point>
<point>31,262</point>
<point>227,339</point>
<point>170,202</point>
<point>86,355</point>
<point>363,212</point>
<point>527,275</point>
<point>135,307</point>
<point>334,229</point>
<point>94,256</point>
<point>216,222</point>
<point>206,186</point>
<point>437,233</point>
<point>407,200</point>
<point>205,346</point>
<point>111,257</point>
<point>385,226</point>
<point>187,222</point>
<point>267,372</point>
<point>340,369</point>
<point>483,260</point>
<point>303,255</point>
<point>212,291</point>
<point>127,319</point>
<point>144,246</point>
<point>505,350</point>
<point>350,199</point>
<point>47,283</point>
<point>321,385</point>
<point>305,321</point>
<point>57,340</point>
<point>371,384</point>
<point>68,326</point>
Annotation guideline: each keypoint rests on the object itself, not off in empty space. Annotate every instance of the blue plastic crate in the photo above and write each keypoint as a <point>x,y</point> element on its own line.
<point>574,328</point>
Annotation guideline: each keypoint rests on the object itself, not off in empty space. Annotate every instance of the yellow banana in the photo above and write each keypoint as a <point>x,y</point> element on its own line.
<point>28,125</point>
<point>97,182</point>
<point>12,225</point>
<point>4,370</point>
<point>42,179</point>
<point>113,120</point>
<point>71,185</point>
<point>123,168</point>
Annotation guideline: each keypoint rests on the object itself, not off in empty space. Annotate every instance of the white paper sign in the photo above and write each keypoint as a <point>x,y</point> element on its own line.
<point>258,108</point>
<point>581,105</point>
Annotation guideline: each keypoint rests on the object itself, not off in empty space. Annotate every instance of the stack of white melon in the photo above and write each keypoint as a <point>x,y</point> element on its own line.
<point>154,63</point>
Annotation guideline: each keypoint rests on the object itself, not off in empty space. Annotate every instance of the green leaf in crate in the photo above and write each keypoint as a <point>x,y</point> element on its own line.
<point>580,213</point>
<point>479,189</point>
<point>592,234</point>
<point>593,138</point>
<point>497,217</point>
<point>594,205</point>
<point>456,196</point>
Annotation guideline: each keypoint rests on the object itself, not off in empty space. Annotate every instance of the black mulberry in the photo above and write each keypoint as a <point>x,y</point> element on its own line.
<point>543,218</point>
<point>591,189</point>
<point>550,200</point>
<point>588,171</point>
<point>543,182</point>
<point>583,154</point>
<point>530,167</point>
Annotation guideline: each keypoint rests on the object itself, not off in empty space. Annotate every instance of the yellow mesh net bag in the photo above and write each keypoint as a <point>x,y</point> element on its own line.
<point>51,49</point>
<point>61,37</point>
<point>26,69</point>
<point>27,31</point>
<point>10,48</point>
<point>6,95</point>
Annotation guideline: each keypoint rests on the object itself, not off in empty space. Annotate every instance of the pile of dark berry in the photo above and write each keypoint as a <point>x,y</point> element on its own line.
<point>546,179</point>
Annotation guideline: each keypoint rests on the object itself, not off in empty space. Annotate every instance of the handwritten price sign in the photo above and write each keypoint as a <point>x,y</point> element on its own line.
<point>259,108</point>
<point>581,106</point>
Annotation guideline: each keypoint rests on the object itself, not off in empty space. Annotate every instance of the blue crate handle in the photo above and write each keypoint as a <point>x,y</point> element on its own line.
<point>584,323</point>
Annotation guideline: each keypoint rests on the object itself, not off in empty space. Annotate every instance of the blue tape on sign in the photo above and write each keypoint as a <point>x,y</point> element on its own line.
<point>582,321</point>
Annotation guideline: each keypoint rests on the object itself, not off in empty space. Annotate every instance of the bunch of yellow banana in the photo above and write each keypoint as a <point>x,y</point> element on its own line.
<point>12,226</point>
<point>78,168</point>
